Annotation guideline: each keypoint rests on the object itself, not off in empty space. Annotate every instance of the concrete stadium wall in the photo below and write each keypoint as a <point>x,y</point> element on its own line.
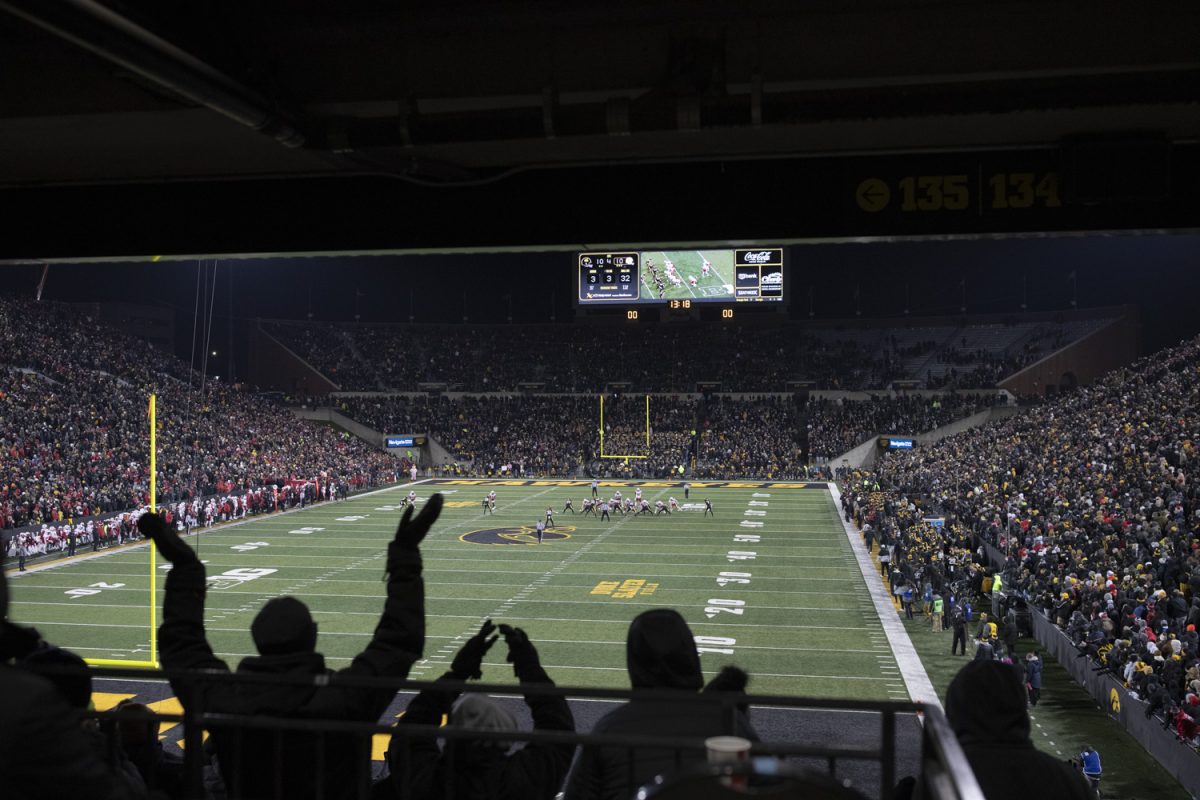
<point>274,366</point>
<point>865,454</point>
<point>1109,348</point>
<point>325,414</point>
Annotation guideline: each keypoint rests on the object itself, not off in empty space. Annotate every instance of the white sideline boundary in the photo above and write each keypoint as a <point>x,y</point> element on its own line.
<point>916,680</point>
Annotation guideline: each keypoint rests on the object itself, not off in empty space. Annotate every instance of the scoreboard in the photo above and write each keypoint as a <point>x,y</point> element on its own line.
<point>674,277</point>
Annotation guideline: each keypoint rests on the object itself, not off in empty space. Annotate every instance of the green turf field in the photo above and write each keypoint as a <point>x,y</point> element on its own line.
<point>770,584</point>
<point>717,284</point>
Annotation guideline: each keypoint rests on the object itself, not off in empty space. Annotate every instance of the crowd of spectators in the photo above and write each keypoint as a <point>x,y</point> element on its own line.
<point>1091,497</point>
<point>836,426</point>
<point>581,358</point>
<point>74,426</point>
<point>751,438</point>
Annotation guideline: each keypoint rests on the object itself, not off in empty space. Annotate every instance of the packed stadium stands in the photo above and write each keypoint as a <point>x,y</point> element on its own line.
<point>582,358</point>
<point>74,427</point>
<point>1090,497</point>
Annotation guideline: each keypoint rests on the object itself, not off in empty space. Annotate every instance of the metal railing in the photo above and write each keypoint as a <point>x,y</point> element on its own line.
<point>944,770</point>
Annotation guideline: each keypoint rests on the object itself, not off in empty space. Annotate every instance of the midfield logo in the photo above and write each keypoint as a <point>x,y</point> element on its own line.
<point>516,534</point>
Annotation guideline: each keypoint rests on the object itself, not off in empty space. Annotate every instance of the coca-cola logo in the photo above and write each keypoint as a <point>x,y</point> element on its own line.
<point>761,257</point>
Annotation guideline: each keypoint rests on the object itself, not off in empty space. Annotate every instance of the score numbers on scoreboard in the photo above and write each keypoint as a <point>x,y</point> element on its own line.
<point>608,277</point>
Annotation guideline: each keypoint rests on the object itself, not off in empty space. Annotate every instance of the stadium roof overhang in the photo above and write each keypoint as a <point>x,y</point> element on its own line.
<point>474,125</point>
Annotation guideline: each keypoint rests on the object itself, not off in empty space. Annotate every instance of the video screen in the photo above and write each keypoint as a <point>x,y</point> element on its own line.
<point>740,275</point>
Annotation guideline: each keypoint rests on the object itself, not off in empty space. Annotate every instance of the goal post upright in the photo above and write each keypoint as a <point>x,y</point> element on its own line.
<point>153,547</point>
<point>152,663</point>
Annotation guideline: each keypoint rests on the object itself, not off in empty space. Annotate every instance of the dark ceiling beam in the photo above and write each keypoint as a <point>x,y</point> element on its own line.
<point>119,41</point>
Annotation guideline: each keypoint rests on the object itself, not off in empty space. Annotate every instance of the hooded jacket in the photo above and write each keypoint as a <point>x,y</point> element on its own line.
<point>249,769</point>
<point>480,770</point>
<point>660,653</point>
<point>985,706</point>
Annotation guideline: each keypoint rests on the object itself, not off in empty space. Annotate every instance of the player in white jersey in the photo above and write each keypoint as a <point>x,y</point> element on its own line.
<point>705,267</point>
<point>412,498</point>
<point>628,506</point>
<point>637,495</point>
<point>491,496</point>
<point>672,504</point>
<point>692,280</point>
<point>589,506</point>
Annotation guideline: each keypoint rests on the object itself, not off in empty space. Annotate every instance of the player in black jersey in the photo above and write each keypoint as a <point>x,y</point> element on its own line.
<point>549,517</point>
<point>708,509</point>
<point>568,507</point>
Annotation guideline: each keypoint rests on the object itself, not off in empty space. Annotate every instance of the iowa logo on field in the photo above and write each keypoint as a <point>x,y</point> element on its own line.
<point>516,534</point>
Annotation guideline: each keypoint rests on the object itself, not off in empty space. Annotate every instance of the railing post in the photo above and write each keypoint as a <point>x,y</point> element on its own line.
<point>193,745</point>
<point>888,735</point>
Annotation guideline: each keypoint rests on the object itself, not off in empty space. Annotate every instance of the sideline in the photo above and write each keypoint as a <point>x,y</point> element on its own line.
<point>13,574</point>
<point>916,680</point>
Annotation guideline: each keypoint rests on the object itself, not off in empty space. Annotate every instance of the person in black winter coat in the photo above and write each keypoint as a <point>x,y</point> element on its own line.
<point>260,764</point>
<point>482,768</point>
<point>660,653</point>
<point>1033,678</point>
<point>45,750</point>
<point>985,706</point>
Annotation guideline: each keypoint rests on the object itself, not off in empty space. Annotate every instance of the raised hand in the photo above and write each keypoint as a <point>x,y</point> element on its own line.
<point>521,652</point>
<point>173,548</point>
<point>469,659</point>
<point>410,531</point>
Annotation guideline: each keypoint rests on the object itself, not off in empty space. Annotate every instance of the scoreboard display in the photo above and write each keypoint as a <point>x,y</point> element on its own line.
<point>671,277</point>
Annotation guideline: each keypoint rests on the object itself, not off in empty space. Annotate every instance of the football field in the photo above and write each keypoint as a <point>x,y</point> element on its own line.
<point>769,583</point>
<point>689,263</point>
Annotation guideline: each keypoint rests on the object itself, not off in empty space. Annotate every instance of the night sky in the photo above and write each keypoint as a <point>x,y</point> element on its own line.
<point>1160,274</point>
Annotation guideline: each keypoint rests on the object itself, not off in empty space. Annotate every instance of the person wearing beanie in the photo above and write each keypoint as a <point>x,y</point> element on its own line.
<point>260,763</point>
<point>46,752</point>
<point>474,768</point>
<point>985,706</point>
<point>660,654</point>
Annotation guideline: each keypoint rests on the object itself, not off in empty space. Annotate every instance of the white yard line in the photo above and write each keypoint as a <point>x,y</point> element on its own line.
<point>916,680</point>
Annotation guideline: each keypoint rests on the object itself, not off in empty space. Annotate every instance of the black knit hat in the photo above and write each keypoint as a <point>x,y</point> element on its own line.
<point>284,626</point>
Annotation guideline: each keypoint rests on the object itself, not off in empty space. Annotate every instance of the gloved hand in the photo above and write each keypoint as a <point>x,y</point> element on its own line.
<point>173,548</point>
<point>729,679</point>
<point>410,532</point>
<point>521,652</point>
<point>468,660</point>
